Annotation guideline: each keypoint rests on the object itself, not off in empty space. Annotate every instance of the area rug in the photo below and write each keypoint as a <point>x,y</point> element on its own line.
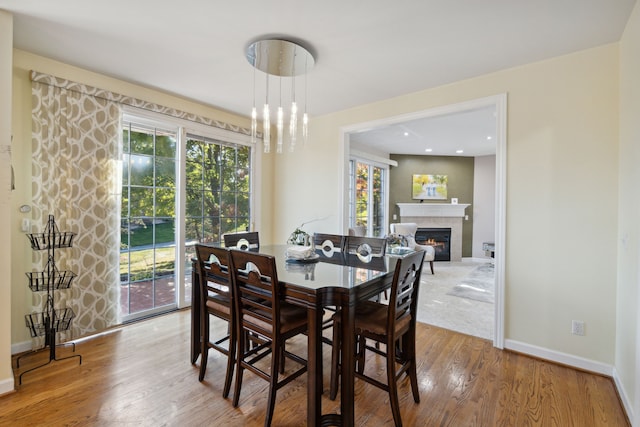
<point>478,285</point>
<point>437,307</point>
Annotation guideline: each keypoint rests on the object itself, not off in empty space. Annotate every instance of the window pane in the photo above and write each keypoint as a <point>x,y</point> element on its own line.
<point>165,172</point>
<point>194,151</point>
<point>194,172</point>
<point>362,194</point>
<point>141,142</point>
<point>141,202</point>
<point>165,145</point>
<point>211,206</point>
<point>141,169</point>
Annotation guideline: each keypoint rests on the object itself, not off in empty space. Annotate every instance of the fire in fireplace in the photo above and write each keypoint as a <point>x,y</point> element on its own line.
<point>439,238</point>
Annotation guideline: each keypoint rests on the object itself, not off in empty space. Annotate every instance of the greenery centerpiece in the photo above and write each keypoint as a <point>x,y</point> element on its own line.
<point>299,237</point>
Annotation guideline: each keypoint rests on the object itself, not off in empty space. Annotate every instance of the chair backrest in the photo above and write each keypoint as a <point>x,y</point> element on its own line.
<point>213,273</point>
<point>254,280</point>
<point>366,247</point>
<point>329,243</point>
<point>404,228</point>
<point>403,301</point>
<point>246,241</point>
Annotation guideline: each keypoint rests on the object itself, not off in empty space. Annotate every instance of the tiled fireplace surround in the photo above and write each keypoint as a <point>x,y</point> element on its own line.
<point>437,215</point>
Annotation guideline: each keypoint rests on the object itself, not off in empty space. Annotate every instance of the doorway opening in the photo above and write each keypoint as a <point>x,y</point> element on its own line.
<point>352,137</point>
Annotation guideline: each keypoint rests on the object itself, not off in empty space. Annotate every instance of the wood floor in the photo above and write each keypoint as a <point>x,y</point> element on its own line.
<point>140,375</point>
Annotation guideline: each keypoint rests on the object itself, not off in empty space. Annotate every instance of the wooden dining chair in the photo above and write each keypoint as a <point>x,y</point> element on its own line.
<point>330,247</point>
<point>393,325</point>
<point>366,247</point>
<point>216,301</point>
<point>329,242</point>
<point>261,311</point>
<point>246,241</point>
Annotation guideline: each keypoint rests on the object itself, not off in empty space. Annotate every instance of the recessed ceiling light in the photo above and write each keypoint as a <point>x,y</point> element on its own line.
<point>428,150</point>
<point>489,138</point>
<point>406,134</point>
<point>459,151</point>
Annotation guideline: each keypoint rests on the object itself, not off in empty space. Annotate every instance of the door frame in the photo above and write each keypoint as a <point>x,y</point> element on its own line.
<point>500,103</point>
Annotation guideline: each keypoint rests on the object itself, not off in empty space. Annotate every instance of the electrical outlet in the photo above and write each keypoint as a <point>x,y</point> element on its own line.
<point>577,327</point>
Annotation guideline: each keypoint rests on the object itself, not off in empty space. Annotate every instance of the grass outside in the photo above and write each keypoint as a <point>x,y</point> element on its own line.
<point>138,264</point>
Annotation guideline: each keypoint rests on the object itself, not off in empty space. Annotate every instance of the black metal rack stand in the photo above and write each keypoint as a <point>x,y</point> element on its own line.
<point>51,320</point>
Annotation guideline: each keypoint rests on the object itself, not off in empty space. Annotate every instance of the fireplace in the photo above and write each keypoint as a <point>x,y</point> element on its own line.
<point>439,238</point>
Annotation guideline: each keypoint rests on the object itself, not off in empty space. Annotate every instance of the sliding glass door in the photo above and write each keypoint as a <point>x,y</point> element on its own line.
<point>179,187</point>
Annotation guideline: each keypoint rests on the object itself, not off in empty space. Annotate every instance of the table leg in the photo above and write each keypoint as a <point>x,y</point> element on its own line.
<point>347,377</point>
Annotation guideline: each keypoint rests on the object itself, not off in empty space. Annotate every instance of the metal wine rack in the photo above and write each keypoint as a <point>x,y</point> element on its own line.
<point>52,319</point>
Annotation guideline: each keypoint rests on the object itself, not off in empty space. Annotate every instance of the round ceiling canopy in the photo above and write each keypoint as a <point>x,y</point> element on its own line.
<point>279,57</point>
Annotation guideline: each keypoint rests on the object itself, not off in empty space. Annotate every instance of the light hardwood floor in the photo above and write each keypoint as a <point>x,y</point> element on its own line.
<point>140,375</point>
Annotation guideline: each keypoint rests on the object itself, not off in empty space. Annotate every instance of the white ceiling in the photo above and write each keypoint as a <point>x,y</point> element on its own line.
<point>365,51</point>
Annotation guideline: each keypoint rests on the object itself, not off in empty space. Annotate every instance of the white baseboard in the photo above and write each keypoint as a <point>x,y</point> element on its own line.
<point>559,357</point>
<point>624,397</point>
<point>7,386</point>
<point>576,362</point>
<point>21,347</point>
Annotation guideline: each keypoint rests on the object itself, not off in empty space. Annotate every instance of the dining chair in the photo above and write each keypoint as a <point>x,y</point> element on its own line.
<point>216,300</point>
<point>365,247</point>
<point>261,311</point>
<point>329,245</point>
<point>393,325</point>
<point>246,241</point>
<point>331,248</point>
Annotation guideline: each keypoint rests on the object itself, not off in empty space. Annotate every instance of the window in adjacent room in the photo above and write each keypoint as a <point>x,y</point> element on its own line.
<point>367,196</point>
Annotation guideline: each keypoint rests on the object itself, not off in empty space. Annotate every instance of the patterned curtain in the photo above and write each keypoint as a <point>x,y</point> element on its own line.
<point>75,145</point>
<point>76,177</point>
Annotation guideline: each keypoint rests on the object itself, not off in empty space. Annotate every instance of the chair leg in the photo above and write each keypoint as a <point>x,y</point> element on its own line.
<point>335,360</point>
<point>204,345</point>
<point>360,352</point>
<point>431,265</point>
<point>231,362</point>
<point>276,365</point>
<point>393,385</point>
<point>282,358</point>
<point>242,341</point>
<point>410,355</point>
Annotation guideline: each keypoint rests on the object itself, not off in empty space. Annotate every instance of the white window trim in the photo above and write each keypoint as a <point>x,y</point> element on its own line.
<point>182,128</point>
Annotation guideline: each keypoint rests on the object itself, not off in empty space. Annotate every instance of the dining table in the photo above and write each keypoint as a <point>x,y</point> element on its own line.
<point>328,279</point>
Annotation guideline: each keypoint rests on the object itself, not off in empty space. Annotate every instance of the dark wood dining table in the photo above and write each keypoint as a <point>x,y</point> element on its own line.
<point>333,281</point>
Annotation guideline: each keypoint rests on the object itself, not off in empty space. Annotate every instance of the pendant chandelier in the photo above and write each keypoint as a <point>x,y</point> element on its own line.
<point>284,60</point>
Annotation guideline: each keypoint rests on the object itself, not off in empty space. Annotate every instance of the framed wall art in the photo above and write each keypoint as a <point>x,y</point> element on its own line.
<point>429,187</point>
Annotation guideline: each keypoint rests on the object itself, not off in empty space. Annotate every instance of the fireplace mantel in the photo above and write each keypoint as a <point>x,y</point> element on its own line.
<point>432,209</point>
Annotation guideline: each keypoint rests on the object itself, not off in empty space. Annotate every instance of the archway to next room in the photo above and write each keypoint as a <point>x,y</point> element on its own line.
<point>429,142</point>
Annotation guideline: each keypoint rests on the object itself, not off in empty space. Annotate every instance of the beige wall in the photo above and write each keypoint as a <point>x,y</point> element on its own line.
<point>628,306</point>
<point>562,160</point>
<point>6,54</point>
